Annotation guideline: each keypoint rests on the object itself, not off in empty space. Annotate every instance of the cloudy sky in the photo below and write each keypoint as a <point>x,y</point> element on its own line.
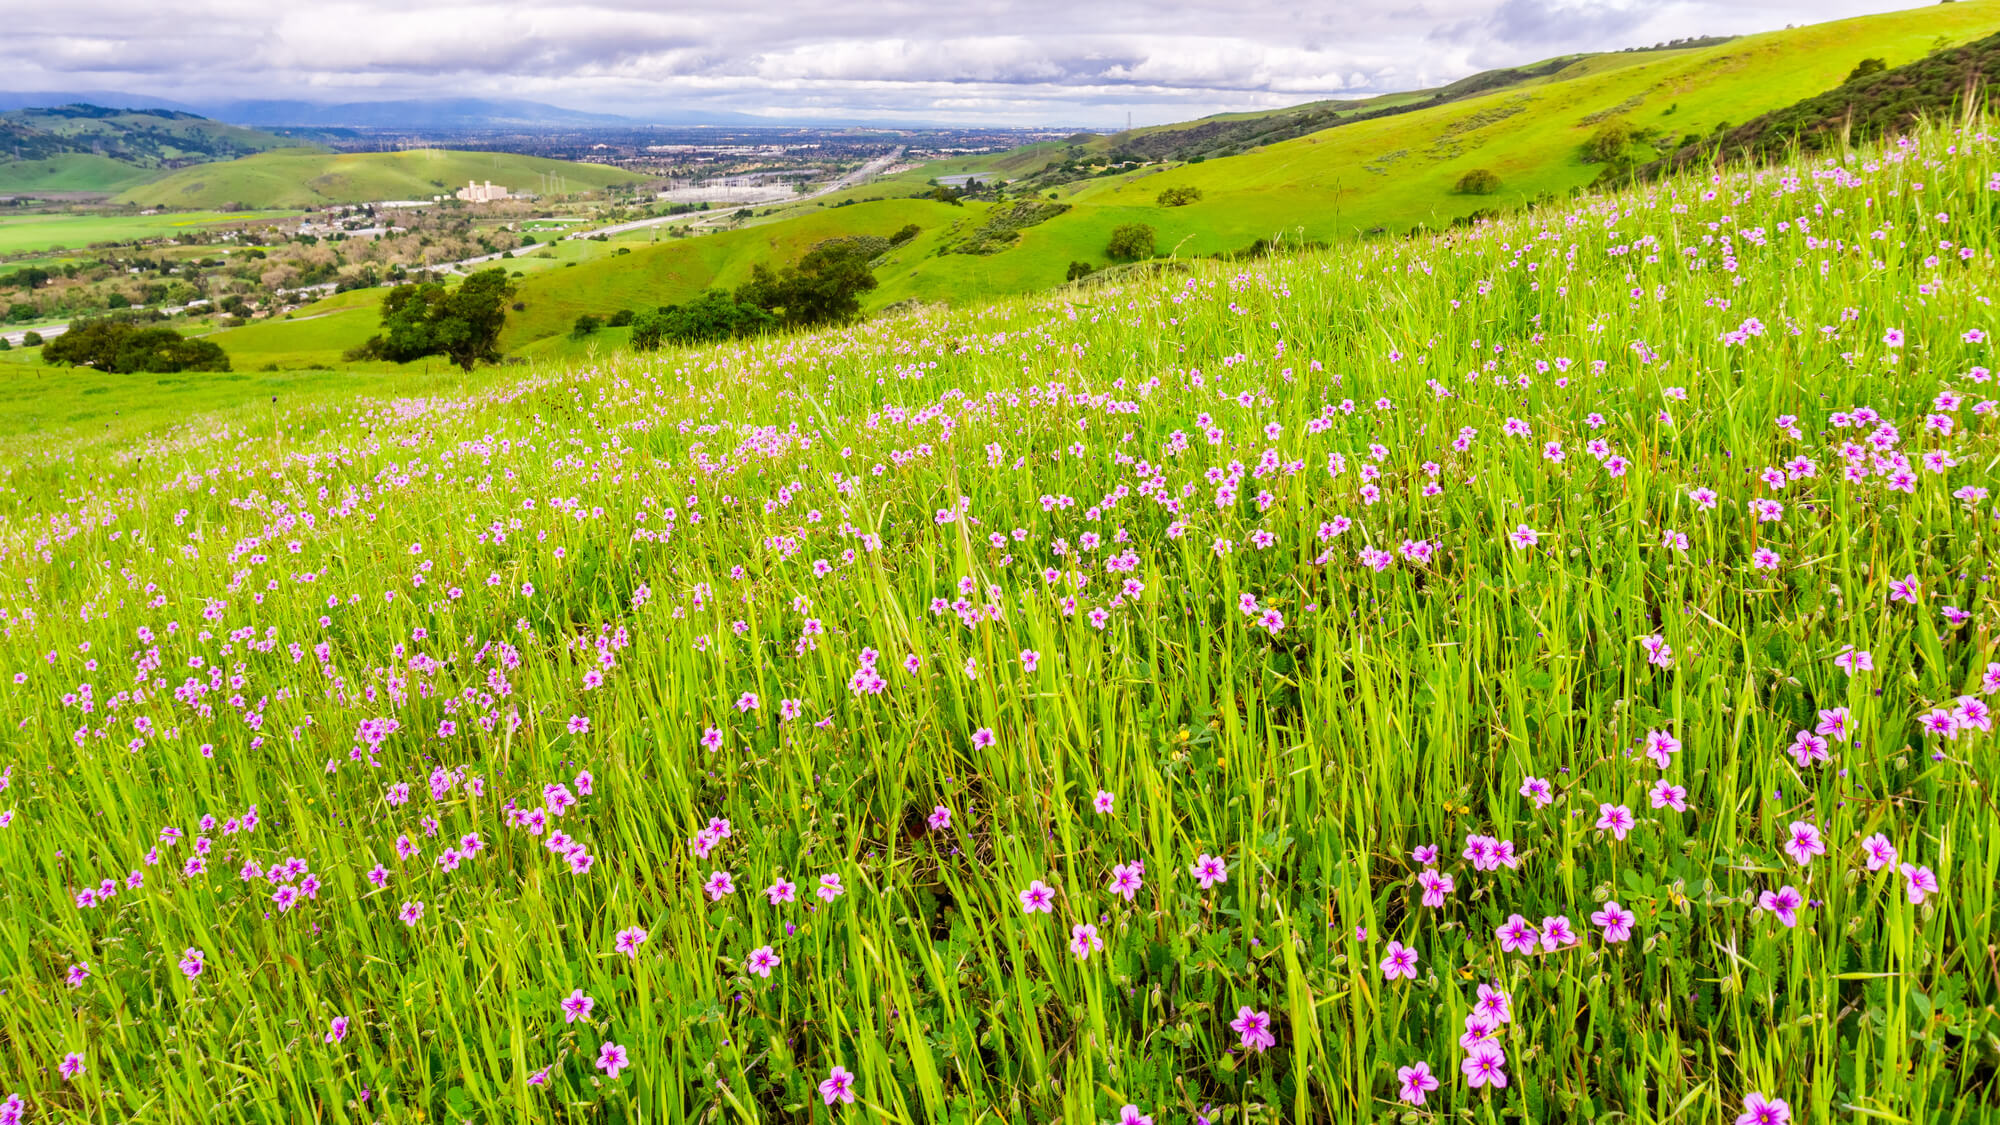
<point>1030,62</point>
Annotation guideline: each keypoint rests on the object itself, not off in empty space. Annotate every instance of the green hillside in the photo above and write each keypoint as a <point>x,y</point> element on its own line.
<point>314,337</point>
<point>97,149</point>
<point>71,171</point>
<point>310,179</point>
<point>1400,171</point>
<point>671,272</point>
<point>1229,134</point>
<point>1860,110</point>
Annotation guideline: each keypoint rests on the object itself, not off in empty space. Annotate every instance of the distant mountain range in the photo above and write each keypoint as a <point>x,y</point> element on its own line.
<point>409,113</point>
<point>42,99</point>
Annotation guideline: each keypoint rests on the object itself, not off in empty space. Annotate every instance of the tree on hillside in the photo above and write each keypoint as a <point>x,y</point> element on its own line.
<point>122,347</point>
<point>462,324</point>
<point>1607,143</point>
<point>1620,147</point>
<point>1479,181</point>
<point>585,325</point>
<point>824,287</point>
<point>647,331</point>
<point>1130,242</point>
<point>1866,67</point>
<point>1179,196</point>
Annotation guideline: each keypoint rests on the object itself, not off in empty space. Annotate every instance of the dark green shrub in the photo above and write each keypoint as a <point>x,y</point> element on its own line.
<point>1479,181</point>
<point>1130,242</point>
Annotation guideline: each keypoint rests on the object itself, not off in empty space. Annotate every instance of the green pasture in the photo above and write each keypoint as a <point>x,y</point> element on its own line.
<point>33,233</point>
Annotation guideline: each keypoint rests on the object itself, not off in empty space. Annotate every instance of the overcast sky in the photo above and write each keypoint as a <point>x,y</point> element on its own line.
<point>1030,62</point>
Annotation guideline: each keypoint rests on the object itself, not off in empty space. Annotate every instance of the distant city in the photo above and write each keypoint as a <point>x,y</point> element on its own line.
<point>688,151</point>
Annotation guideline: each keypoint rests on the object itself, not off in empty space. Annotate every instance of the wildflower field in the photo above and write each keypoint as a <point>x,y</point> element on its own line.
<point>1539,673</point>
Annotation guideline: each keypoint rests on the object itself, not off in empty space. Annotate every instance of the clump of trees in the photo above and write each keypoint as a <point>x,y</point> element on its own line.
<point>713,316</point>
<point>1479,181</point>
<point>1622,148</point>
<point>1178,196</point>
<point>1265,247</point>
<point>1607,143</point>
<point>1079,270</point>
<point>462,324</point>
<point>1130,242</point>
<point>824,287</point>
<point>123,348</point>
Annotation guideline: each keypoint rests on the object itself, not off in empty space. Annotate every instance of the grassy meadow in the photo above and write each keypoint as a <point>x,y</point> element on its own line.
<point>37,233</point>
<point>40,405</point>
<point>1539,673</point>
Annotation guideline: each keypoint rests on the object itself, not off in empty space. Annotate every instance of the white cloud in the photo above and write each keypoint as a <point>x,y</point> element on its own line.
<point>1036,61</point>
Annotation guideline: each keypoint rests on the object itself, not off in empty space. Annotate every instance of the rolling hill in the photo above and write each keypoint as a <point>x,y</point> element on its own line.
<point>671,272</point>
<point>1231,134</point>
<point>70,172</point>
<point>310,179</point>
<point>97,149</point>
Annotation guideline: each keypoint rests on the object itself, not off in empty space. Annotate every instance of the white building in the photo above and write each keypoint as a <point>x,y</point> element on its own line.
<point>481,193</point>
